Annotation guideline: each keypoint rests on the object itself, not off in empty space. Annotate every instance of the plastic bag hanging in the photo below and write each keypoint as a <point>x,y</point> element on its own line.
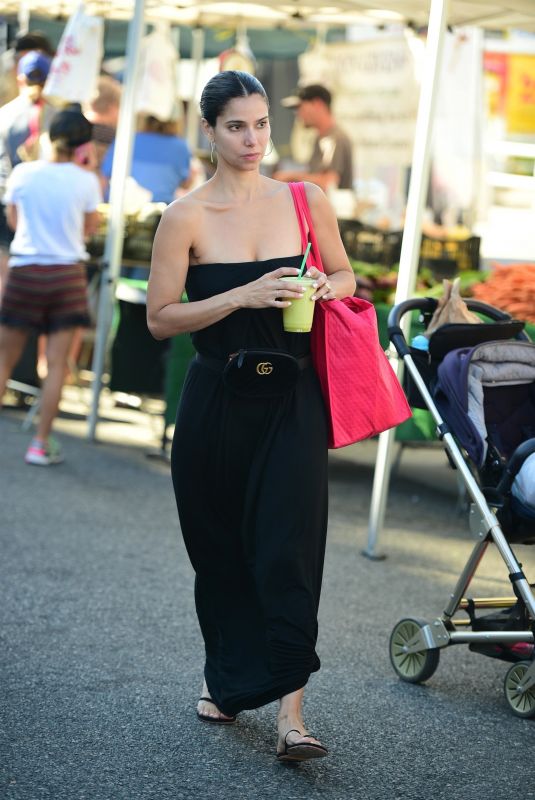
<point>157,75</point>
<point>76,66</point>
<point>451,308</point>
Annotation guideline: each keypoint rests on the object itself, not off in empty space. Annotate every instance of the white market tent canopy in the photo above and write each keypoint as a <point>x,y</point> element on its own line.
<point>436,15</point>
<point>493,15</point>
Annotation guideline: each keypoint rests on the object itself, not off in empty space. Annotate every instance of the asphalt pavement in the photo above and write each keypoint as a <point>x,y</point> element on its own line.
<point>101,655</point>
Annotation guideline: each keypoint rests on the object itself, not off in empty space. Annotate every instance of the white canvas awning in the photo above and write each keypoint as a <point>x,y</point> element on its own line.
<point>483,13</point>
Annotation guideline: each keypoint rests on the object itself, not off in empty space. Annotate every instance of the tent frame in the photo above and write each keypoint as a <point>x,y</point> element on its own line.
<point>113,248</point>
<point>410,246</point>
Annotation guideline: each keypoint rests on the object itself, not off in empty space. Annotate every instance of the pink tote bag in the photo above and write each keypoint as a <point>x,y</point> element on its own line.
<point>362,394</point>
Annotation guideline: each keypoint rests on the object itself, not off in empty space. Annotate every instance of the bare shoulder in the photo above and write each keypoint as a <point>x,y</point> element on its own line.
<point>319,204</point>
<point>180,223</point>
<point>317,199</point>
<point>184,209</point>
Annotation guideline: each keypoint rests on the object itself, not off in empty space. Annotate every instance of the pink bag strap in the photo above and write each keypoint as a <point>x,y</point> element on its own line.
<point>306,225</point>
<point>34,124</point>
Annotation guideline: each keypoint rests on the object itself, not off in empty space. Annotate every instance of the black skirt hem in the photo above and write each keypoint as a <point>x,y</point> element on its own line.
<point>262,699</point>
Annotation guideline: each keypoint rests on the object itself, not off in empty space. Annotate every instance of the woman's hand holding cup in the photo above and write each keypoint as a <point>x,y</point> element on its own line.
<point>270,290</point>
<point>323,289</point>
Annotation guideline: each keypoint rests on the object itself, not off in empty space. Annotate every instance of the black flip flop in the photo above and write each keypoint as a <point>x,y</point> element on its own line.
<point>303,751</point>
<point>214,720</point>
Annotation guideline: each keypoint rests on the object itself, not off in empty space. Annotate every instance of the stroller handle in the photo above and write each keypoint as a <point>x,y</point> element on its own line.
<point>428,305</point>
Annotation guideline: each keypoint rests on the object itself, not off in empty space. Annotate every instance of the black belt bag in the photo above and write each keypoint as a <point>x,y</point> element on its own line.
<point>258,373</point>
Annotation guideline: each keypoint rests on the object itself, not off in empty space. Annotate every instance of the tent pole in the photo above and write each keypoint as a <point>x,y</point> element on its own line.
<point>410,247</point>
<point>113,249</point>
<point>23,18</point>
<point>192,117</point>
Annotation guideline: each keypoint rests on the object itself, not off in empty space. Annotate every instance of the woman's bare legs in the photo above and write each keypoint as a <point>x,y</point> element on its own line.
<point>12,342</point>
<point>208,709</point>
<point>57,349</point>
<point>290,718</point>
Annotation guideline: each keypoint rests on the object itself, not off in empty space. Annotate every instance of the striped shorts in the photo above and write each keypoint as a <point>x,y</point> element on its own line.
<point>45,298</point>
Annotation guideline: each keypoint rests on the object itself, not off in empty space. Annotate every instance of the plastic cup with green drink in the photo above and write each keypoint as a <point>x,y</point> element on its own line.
<point>298,316</point>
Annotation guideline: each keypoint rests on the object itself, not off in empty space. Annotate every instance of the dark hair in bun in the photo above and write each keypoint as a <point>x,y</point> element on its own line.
<point>70,128</point>
<point>223,88</point>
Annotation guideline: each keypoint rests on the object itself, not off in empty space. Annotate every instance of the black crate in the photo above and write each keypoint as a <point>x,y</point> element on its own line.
<point>446,257</point>
<point>373,245</point>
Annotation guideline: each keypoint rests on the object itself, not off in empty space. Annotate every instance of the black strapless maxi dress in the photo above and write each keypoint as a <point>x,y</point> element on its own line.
<point>250,480</point>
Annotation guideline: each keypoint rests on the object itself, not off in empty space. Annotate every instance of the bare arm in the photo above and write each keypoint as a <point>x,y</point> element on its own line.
<point>91,220</point>
<point>339,275</point>
<point>104,184</point>
<point>166,314</point>
<point>11,215</point>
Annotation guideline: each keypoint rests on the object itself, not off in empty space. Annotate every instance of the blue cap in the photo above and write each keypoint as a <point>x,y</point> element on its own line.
<point>35,66</point>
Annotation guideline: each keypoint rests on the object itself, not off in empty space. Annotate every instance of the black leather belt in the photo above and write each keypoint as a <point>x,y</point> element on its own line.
<point>219,364</point>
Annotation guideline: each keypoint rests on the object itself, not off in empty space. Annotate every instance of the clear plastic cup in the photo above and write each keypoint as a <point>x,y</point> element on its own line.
<point>297,317</point>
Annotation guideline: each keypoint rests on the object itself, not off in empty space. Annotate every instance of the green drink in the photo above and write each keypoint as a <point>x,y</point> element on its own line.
<point>297,318</point>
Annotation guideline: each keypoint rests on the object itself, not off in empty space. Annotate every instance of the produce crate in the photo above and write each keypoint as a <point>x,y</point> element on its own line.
<point>366,243</point>
<point>446,257</point>
<point>96,243</point>
<point>140,234</point>
<point>139,231</point>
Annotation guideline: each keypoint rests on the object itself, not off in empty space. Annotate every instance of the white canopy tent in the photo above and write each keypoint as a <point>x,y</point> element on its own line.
<point>436,14</point>
<point>442,13</point>
<point>484,13</point>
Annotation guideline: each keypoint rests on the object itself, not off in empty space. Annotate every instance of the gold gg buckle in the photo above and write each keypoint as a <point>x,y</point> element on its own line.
<point>264,367</point>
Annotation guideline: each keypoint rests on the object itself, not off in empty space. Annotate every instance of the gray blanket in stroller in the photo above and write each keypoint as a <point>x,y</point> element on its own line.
<point>462,376</point>
<point>496,364</point>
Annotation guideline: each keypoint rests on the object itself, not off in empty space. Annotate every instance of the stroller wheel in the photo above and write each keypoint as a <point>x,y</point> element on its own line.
<point>520,695</point>
<point>411,666</point>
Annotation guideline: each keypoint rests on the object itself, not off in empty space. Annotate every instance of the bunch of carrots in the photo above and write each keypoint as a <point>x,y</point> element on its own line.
<point>510,288</point>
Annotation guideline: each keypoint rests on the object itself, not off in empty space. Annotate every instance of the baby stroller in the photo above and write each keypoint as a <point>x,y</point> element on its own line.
<point>478,382</point>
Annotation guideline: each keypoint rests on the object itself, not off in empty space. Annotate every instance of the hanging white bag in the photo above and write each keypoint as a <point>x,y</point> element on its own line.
<point>157,75</point>
<point>76,66</point>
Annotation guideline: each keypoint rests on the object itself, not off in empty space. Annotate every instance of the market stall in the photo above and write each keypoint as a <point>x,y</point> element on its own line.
<point>138,363</point>
<point>437,14</point>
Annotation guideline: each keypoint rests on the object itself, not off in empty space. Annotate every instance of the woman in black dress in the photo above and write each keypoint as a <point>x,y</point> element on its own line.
<point>249,474</point>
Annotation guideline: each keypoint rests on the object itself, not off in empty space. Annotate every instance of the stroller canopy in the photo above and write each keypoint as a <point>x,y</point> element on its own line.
<point>463,376</point>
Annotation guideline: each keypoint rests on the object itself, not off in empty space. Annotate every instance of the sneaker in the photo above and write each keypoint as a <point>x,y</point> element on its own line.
<point>44,453</point>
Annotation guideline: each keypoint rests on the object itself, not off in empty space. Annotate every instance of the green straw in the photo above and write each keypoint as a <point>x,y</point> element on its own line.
<point>304,261</point>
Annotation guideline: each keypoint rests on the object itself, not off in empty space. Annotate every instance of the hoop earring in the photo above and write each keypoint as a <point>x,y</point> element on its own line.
<point>269,152</point>
<point>212,149</point>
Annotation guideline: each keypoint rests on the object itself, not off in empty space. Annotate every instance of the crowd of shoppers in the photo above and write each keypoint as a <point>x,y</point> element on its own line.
<point>49,195</point>
<point>51,205</point>
<point>55,169</point>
